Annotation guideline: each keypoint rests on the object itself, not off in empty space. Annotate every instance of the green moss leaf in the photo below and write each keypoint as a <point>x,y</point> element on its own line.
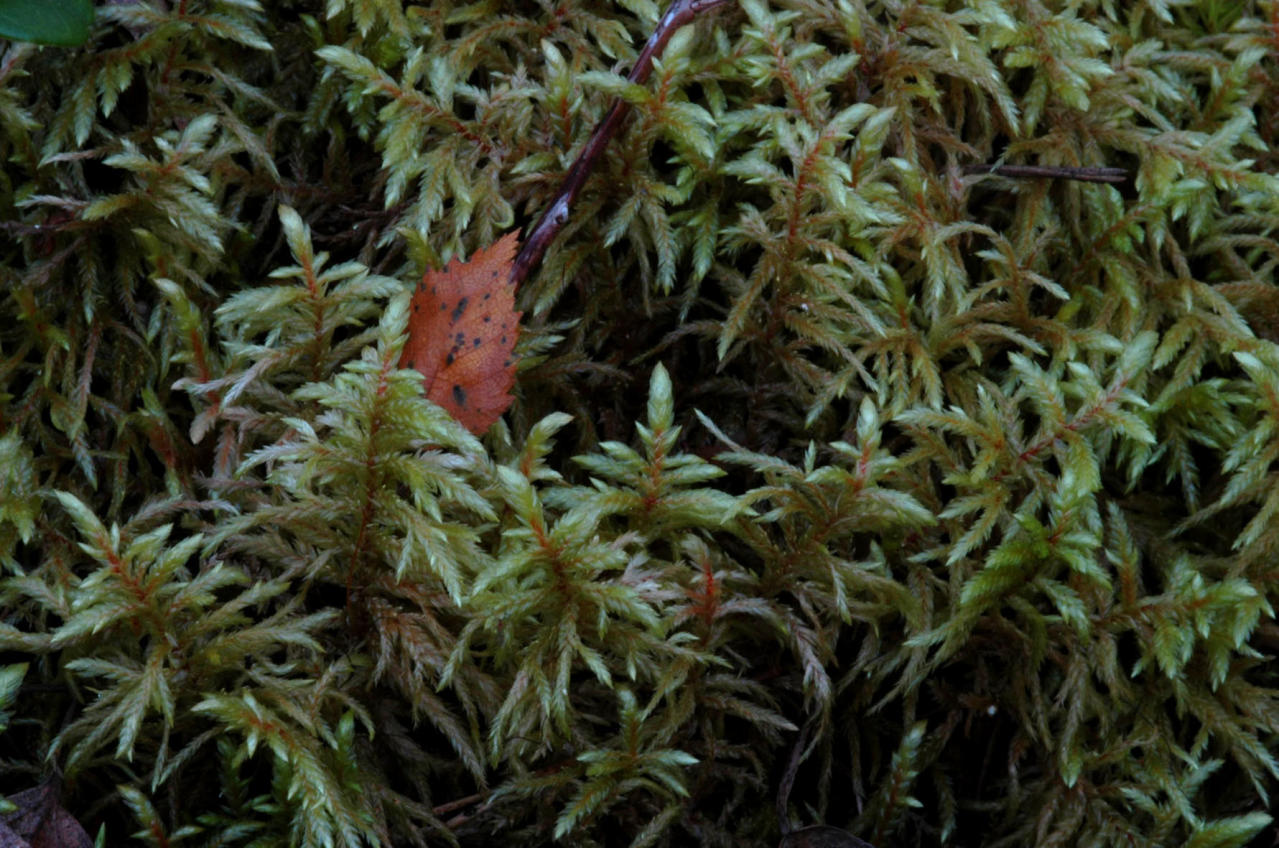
<point>63,23</point>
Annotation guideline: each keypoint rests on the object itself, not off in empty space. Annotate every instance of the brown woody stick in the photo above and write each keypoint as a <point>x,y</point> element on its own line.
<point>1088,175</point>
<point>556,215</point>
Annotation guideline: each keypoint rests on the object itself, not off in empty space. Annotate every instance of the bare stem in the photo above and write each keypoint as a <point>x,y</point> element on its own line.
<point>1088,175</point>
<point>555,217</point>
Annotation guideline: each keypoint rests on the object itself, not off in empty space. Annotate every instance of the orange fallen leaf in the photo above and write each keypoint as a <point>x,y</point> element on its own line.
<point>462,331</point>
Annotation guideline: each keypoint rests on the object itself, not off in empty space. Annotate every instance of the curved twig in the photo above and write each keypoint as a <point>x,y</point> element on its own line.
<point>555,217</point>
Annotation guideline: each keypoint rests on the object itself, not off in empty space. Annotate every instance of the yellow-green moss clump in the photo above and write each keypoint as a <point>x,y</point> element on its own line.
<point>841,486</point>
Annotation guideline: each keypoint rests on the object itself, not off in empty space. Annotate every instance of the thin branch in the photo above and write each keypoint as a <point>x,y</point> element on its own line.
<point>555,217</point>
<point>1088,175</point>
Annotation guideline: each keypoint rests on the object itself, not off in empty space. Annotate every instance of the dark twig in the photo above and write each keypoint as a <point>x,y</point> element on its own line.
<point>1088,175</point>
<point>555,217</point>
<point>798,753</point>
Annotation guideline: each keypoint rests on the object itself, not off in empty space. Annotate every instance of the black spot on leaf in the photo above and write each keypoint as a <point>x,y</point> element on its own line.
<point>459,310</point>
